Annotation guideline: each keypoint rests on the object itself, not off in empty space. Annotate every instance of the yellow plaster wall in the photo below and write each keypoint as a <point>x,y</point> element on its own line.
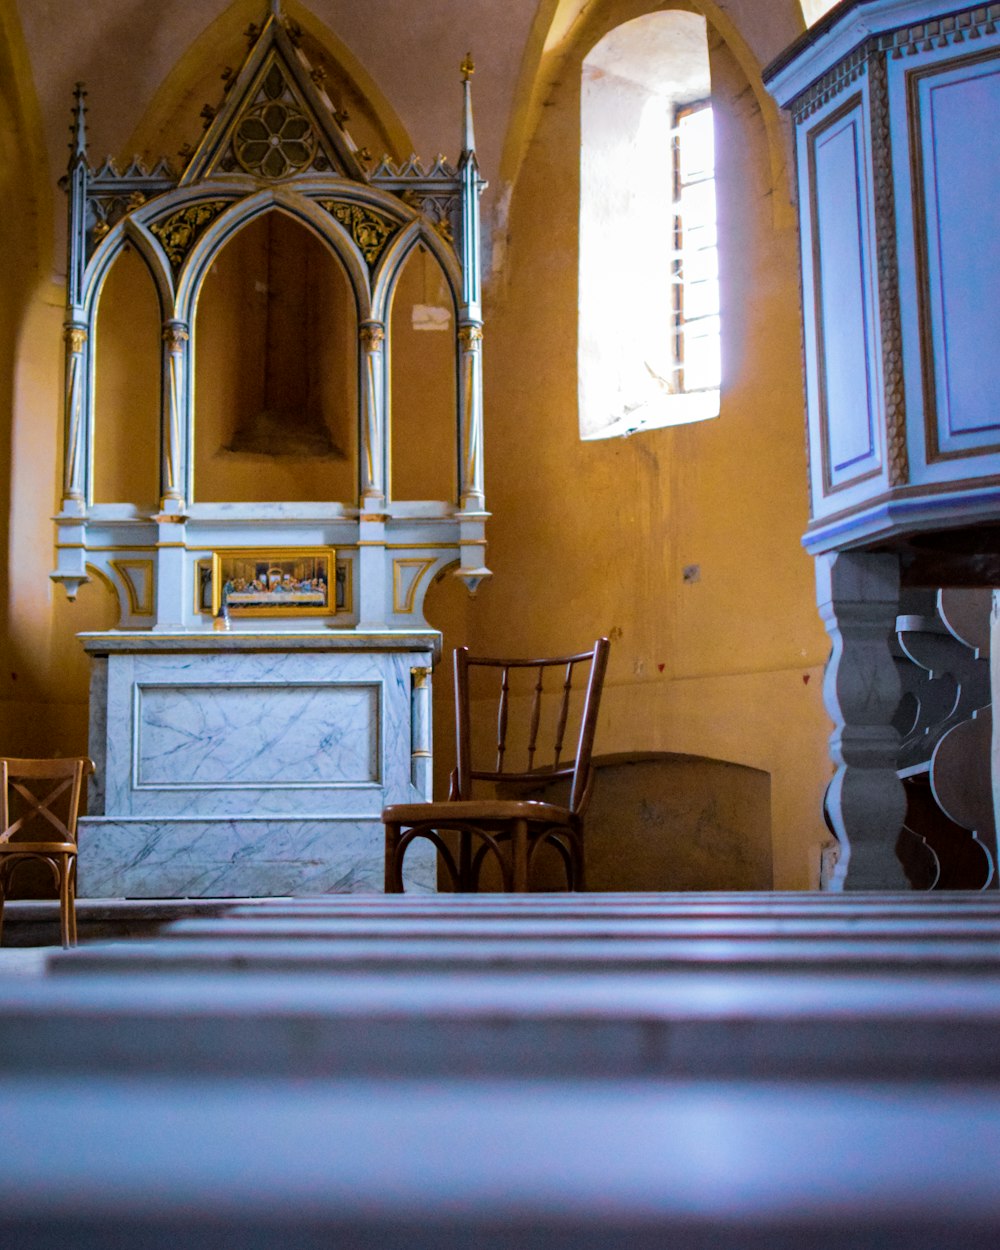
<point>422,386</point>
<point>586,538</point>
<point>592,538</point>
<point>127,387</point>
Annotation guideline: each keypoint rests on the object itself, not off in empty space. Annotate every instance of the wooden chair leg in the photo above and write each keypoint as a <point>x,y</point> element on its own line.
<point>71,873</point>
<point>65,902</point>
<point>579,869</point>
<point>393,873</point>
<point>465,884</point>
<point>519,851</point>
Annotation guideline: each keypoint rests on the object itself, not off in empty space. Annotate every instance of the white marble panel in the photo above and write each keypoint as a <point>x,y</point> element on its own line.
<point>202,749</point>
<point>239,736</point>
<point>238,858</point>
<point>241,772</point>
<point>98,731</point>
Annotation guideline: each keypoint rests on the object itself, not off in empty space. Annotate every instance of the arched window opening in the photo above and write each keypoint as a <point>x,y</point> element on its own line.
<point>422,383</point>
<point>276,381</point>
<point>649,333</point>
<point>127,387</point>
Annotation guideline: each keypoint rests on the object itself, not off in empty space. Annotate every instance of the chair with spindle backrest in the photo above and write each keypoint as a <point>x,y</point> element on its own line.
<point>38,823</point>
<point>486,826</point>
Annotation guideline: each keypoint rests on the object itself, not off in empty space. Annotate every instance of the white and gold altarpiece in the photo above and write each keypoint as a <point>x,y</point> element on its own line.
<point>267,689</point>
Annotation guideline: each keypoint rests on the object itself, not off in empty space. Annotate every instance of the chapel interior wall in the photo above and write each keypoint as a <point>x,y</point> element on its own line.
<point>586,537</point>
<point>593,537</point>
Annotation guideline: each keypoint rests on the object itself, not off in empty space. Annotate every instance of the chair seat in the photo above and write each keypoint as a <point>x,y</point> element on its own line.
<point>479,811</point>
<point>37,848</point>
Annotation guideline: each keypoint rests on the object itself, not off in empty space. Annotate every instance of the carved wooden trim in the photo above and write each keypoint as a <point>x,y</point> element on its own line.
<point>888,276</point>
<point>943,32</point>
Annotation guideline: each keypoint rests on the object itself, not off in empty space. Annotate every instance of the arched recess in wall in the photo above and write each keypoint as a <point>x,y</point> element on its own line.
<point>127,386</point>
<point>276,370</point>
<point>423,397</point>
<point>560,25</point>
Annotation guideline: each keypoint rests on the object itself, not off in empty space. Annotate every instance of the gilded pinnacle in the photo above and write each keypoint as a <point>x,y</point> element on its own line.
<point>468,67</point>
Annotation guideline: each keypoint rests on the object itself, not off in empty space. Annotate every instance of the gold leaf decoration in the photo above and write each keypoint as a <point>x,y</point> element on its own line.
<point>369,230</point>
<point>179,232</point>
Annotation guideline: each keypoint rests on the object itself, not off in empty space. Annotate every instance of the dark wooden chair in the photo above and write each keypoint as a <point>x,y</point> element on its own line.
<point>38,823</point>
<point>498,824</point>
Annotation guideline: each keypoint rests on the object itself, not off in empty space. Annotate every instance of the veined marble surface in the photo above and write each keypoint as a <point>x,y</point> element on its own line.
<point>244,638</point>
<point>246,772</point>
<point>239,858</point>
<point>270,734</point>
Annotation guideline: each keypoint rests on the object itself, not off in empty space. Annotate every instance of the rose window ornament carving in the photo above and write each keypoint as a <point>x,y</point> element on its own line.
<point>274,139</point>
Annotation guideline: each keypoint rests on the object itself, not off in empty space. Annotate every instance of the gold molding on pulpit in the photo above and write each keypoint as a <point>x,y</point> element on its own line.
<point>404,592</point>
<point>140,599</point>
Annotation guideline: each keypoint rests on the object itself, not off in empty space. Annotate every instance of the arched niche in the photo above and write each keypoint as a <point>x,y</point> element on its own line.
<point>127,386</point>
<point>276,372</point>
<point>422,381</point>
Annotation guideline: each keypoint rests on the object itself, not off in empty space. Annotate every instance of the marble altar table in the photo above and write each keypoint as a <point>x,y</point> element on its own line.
<point>252,763</point>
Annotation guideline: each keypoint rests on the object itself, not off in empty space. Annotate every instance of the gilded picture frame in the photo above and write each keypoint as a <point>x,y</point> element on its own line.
<point>274,582</point>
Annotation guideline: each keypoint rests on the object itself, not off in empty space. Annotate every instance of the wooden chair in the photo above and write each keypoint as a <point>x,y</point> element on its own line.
<point>492,823</point>
<point>29,815</point>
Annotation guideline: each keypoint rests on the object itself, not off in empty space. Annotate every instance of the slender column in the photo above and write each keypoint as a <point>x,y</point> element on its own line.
<point>858,598</point>
<point>421,758</point>
<point>373,431</point>
<point>470,323</point>
<point>470,337</point>
<point>76,427</point>
<point>174,428</point>
<point>75,452</point>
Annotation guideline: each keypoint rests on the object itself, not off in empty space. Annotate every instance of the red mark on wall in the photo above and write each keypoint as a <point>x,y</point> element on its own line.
<point>805,679</point>
<point>661,667</point>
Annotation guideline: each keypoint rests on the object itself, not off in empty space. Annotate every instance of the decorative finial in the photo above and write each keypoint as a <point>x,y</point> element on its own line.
<point>78,146</point>
<point>468,135</point>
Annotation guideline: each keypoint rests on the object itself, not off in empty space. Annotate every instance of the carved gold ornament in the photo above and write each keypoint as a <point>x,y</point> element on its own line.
<point>178,232</point>
<point>175,336</point>
<point>372,337</point>
<point>369,230</point>
<point>274,139</point>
